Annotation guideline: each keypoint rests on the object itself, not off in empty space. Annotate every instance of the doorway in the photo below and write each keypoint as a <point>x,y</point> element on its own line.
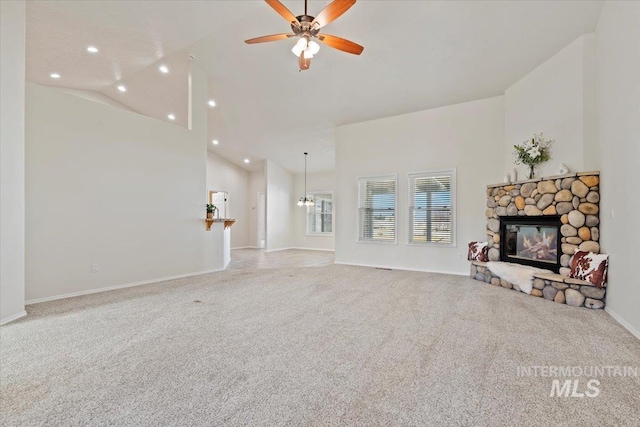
<point>219,200</point>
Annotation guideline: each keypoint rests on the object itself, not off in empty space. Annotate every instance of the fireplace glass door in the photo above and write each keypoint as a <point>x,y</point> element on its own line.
<point>531,241</point>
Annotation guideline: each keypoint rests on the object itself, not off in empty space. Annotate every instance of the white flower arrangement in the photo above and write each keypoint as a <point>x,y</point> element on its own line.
<point>532,152</point>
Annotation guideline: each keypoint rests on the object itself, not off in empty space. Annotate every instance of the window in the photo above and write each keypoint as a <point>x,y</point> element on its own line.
<point>320,216</point>
<point>377,209</point>
<point>431,207</point>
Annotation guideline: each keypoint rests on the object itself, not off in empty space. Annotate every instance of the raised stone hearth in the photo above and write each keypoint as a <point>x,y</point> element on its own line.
<point>554,287</point>
<point>575,199</point>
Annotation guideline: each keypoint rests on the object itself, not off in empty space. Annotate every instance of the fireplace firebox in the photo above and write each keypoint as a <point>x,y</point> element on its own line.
<point>531,240</point>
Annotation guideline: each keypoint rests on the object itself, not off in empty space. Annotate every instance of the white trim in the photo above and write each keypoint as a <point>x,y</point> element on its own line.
<point>277,250</point>
<point>315,249</point>
<point>432,171</point>
<point>113,288</point>
<point>355,264</point>
<point>245,247</point>
<point>12,318</point>
<point>301,249</point>
<point>454,195</point>
<point>216,191</point>
<point>623,322</point>
<point>332,213</point>
<point>263,220</point>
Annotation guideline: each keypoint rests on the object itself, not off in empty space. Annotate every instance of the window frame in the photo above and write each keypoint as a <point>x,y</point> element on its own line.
<point>433,173</point>
<point>394,177</point>
<point>333,216</point>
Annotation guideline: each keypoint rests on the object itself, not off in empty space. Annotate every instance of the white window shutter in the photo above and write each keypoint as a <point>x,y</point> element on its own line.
<point>377,209</point>
<point>431,207</point>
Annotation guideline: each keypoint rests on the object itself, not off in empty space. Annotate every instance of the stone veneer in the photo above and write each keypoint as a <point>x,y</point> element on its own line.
<point>554,287</point>
<point>573,197</point>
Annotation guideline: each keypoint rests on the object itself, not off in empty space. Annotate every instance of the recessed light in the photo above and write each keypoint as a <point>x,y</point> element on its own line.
<point>171,117</point>
<point>54,75</point>
<point>163,69</point>
<point>246,160</point>
<point>211,103</point>
<point>122,88</point>
<point>92,49</point>
<point>215,142</point>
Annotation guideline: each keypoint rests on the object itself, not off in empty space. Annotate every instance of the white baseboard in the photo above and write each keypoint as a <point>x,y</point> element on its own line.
<point>301,249</point>
<point>623,322</point>
<point>277,250</point>
<point>401,268</point>
<point>245,247</point>
<point>113,288</point>
<point>315,249</point>
<point>12,318</point>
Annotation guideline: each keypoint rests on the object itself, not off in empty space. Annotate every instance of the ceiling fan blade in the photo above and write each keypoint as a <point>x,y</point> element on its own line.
<point>332,12</point>
<point>341,44</point>
<point>271,38</point>
<point>303,62</point>
<point>282,10</point>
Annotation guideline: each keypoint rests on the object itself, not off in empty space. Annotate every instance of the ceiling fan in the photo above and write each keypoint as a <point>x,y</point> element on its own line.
<point>307,28</point>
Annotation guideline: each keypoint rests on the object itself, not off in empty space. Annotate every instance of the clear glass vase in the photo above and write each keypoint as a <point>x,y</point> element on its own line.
<point>532,173</point>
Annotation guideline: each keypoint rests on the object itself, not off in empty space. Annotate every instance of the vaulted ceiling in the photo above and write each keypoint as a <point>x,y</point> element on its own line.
<point>418,55</point>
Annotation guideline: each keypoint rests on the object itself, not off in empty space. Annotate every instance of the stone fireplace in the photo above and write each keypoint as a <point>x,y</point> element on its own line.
<point>573,198</point>
<point>541,223</point>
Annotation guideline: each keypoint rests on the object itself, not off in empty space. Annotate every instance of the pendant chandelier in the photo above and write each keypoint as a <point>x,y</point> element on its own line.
<point>305,200</point>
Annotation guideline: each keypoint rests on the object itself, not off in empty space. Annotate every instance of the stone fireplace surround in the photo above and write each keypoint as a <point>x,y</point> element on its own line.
<point>575,198</point>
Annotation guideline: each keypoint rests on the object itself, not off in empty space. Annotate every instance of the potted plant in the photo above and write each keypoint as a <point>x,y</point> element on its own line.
<point>211,209</point>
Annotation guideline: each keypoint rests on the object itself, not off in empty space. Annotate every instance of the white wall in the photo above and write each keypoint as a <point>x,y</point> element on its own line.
<point>113,188</point>
<point>96,97</point>
<point>617,40</point>
<point>280,204</point>
<point>589,133</point>
<point>551,99</point>
<point>469,137</point>
<point>222,175</point>
<point>12,160</point>
<point>321,181</point>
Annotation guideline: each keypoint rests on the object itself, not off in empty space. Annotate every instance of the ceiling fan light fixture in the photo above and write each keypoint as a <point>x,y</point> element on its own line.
<point>313,47</point>
<point>300,47</point>
<point>297,51</point>
<point>306,28</point>
<point>302,43</point>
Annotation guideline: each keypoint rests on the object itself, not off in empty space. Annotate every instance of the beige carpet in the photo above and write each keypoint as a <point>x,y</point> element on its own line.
<point>332,345</point>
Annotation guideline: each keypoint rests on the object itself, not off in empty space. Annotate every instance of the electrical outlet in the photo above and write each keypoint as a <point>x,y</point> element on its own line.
<point>612,214</point>
<point>95,268</point>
